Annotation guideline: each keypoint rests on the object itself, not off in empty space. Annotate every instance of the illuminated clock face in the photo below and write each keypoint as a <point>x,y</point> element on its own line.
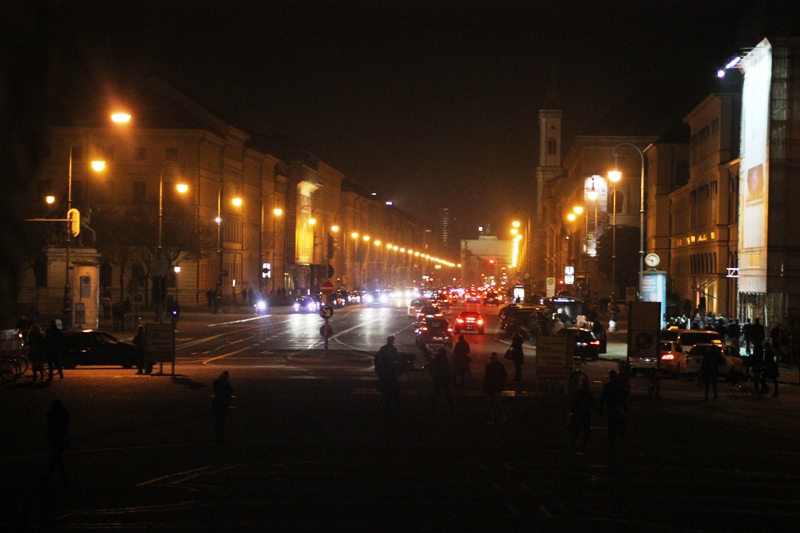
<point>652,260</point>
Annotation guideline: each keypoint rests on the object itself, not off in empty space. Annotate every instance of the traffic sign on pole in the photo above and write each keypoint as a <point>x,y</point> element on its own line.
<point>326,287</point>
<point>326,311</point>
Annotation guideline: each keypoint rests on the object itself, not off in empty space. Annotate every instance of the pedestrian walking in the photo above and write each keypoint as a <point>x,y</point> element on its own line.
<point>36,351</point>
<point>386,361</point>
<point>580,415</point>
<point>494,381</point>
<point>53,350</point>
<point>517,355</point>
<point>461,359</point>
<point>142,367</point>
<point>223,396</point>
<point>57,436</point>
<point>442,377</point>
<point>709,369</point>
<point>770,371</point>
<point>615,406</point>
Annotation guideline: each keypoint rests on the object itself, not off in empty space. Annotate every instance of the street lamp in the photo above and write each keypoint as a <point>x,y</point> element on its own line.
<point>276,212</point>
<point>641,205</point>
<point>614,176</point>
<point>181,188</point>
<point>236,201</point>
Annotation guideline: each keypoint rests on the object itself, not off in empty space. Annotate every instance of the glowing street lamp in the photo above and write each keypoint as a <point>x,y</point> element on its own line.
<point>614,176</point>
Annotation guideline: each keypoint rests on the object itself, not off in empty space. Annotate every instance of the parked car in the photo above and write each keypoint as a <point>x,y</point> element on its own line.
<point>306,304</point>
<point>731,360</point>
<point>673,358</point>
<point>469,321</point>
<point>585,345</point>
<point>89,347</point>
<point>434,331</point>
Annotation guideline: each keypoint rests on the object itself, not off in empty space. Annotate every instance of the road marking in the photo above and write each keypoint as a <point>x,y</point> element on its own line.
<point>223,356</point>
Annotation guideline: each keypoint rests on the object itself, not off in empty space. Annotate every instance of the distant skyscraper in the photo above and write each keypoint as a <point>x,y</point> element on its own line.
<point>445,222</point>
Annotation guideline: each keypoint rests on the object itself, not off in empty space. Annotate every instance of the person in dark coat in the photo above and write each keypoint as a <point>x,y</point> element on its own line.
<point>615,406</point>
<point>139,342</point>
<point>442,377</point>
<point>770,371</point>
<point>461,359</point>
<point>494,381</point>
<point>583,405</point>
<point>53,348</point>
<point>36,351</point>
<point>57,435</point>
<point>223,396</point>
<point>709,369</point>
<point>517,355</point>
<point>386,367</point>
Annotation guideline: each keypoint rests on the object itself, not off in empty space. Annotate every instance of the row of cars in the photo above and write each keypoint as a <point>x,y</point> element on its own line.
<point>681,351</point>
<point>434,328</point>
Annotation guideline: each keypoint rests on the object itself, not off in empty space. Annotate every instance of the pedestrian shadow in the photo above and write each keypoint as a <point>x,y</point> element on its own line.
<point>188,382</point>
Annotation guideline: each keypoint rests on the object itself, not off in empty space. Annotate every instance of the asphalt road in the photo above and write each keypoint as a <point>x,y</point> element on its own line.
<point>306,450</point>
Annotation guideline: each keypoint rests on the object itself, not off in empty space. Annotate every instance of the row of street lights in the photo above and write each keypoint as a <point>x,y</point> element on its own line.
<point>614,176</point>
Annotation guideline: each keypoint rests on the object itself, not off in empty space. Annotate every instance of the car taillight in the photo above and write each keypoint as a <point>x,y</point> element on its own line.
<point>460,320</point>
<point>667,357</point>
<point>595,342</point>
<point>424,328</point>
<point>480,321</point>
<point>449,330</point>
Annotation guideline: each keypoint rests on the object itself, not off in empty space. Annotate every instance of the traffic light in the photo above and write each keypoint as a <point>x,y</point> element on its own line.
<point>74,217</point>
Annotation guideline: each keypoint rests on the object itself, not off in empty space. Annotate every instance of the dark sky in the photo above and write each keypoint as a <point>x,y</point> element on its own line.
<point>429,103</point>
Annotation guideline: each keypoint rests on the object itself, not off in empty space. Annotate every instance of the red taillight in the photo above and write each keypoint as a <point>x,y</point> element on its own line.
<point>460,320</point>
<point>423,328</point>
<point>449,330</point>
<point>667,357</point>
<point>595,342</point>
<point>480,321</point>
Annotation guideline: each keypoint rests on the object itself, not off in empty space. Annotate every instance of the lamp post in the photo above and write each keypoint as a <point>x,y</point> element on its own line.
<point>181,188</point>
<point>97,166</point>
<point>220,266</point>
<point>614,176</point>
<point>641,206</point>
<point>276,212</point>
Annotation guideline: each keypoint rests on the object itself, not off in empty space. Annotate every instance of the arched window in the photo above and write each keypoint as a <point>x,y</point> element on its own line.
<point>551,146</point>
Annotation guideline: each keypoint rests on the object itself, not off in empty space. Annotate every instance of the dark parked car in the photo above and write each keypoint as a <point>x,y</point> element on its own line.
<point>586,346</point>
<point>90,347</point>
<point>434,331</point>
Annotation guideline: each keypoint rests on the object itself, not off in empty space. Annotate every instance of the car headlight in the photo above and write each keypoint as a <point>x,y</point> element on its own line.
<point>296,306</point>
<point>368,298</point>
<point>384,299</point>
<point>261,305</point>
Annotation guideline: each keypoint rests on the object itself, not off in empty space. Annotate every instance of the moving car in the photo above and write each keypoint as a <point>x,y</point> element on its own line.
<point>306,304</point>
<point>429,311</point>
<point>376,298</point>
<point>415,305</point>
<point>89,347</point>
<point>261,307</point>
<point>469,321</point>
<point>585,345</point>
<point>493,298</point>
<point>731,360</point>
<point>434,331</point>
<point>473,297</point>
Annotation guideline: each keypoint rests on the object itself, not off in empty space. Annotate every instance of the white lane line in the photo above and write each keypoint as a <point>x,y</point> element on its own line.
<point>223,356</point>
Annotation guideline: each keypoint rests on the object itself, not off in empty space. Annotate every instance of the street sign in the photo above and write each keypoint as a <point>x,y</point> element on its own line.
<point>326,331</point>
<point>326,287</point>
<point>326,311</point>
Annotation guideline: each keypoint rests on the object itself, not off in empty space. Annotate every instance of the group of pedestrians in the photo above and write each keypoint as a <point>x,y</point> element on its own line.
<point>613,403</point>
<point>45,348</point>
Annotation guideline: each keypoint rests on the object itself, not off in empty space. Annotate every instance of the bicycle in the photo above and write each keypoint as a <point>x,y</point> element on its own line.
<point>10,367</point>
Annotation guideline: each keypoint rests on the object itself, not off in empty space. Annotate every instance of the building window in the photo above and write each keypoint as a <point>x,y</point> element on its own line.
<point>715,125</point>
<point>171,154</point>
<point>140,153</point>
<point>551,146</point>
<point>139,192</point>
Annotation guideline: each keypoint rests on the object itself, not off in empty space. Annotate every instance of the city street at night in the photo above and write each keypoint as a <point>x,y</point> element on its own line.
<point>306,450</point>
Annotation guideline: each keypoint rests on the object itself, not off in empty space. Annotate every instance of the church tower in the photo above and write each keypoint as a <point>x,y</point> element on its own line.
<point>549,162</point>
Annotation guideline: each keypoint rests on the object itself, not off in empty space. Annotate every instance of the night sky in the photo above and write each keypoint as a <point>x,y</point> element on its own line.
<point>431,104</point>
